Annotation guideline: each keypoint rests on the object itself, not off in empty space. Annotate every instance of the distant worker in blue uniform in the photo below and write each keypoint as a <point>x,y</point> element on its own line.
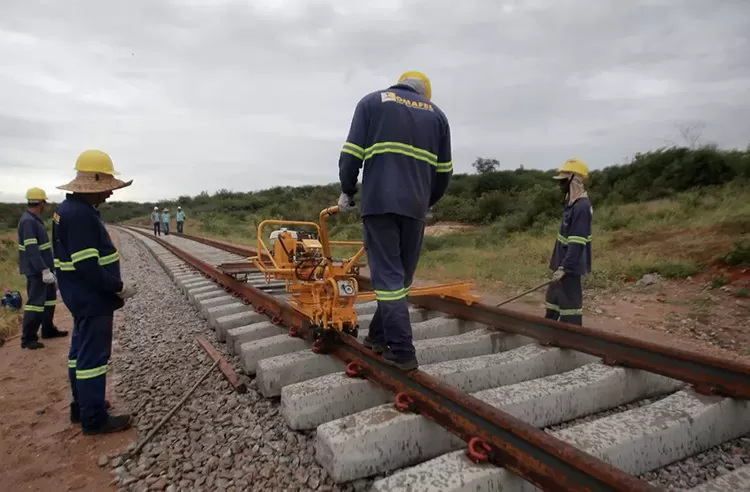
<point>165,221</point>
<point>403,140</point>
<point>88,272</point>
<point>180,218</point>
<point>571,256</point>
<point>35,262</point>
<point>156,219</point>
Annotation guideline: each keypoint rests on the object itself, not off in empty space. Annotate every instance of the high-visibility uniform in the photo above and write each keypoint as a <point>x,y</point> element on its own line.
<point>88,272</point>
<point>180,217</point>
<point>403,140</point>
<point>572,252</point>
<point>35,256</point>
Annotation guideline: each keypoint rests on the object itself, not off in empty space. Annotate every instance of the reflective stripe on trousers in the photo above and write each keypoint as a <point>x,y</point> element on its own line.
<point>88,359</point>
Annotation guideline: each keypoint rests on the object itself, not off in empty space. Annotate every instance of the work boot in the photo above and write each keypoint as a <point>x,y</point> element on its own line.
<point>32,345</point>
<point>54,333</point>
<point>114,423</point>
<point>378,348</point>
<point>404,365</point>
<point>75,412</point>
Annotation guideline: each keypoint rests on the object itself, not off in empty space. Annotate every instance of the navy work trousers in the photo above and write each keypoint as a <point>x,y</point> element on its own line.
<point>180,224</point>
<point>564,300</point>
<point>39,310</point>
<point>157,228</point>
<point>392,243</point>
<point>90,348</point>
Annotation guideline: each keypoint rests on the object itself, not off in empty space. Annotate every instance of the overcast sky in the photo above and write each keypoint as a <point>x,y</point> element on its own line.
<point>199,95</point>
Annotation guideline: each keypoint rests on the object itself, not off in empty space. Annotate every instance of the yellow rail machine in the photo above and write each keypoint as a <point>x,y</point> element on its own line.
<point>323,288</point>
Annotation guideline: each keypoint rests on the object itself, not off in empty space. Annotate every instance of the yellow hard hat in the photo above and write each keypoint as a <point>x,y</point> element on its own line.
<point>95,161</point>
<point>420,76</point>
<point>36,195</point>
<point>576,166</point>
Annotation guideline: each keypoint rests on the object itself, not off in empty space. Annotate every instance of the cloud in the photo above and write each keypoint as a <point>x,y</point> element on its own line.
<point>201,95</point>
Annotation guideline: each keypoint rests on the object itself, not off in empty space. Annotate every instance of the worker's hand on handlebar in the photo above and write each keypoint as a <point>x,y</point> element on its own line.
<point>346,203</point>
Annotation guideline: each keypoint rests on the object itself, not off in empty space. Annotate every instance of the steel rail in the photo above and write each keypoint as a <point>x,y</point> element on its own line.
<point>709,375</point>
<point>539,458</point>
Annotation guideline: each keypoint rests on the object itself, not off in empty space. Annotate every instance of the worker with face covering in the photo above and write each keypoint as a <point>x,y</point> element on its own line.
<point>571,256</point>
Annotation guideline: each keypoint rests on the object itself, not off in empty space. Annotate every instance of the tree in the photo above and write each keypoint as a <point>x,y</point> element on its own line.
<point>484,166</point>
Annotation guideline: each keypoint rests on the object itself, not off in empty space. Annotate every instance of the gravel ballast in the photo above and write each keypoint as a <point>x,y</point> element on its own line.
<point>219,440</point>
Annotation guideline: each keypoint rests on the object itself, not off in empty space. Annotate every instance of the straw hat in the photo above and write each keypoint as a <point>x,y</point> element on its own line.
<point>95,174</point>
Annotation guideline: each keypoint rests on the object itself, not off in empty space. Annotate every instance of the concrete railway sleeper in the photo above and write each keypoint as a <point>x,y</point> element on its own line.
<point>359,434</point>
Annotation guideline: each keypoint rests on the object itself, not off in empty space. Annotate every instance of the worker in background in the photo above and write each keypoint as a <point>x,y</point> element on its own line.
<point>180,217</point>
<point>88,272</point>
<point>36,263</point>
<point>403,139</point>
<point>156,219</point>
<point>165,221</point>
<point>571,256</point>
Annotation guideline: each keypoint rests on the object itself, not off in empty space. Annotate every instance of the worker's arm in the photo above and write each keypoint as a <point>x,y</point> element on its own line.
<point>578,235</point>
<point>444,166</point>
<point>353,152</point>
<point>82,241</point>
<point>30,243</point>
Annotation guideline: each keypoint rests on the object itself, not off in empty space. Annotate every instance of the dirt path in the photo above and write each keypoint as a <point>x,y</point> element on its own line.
<point>40,449</point>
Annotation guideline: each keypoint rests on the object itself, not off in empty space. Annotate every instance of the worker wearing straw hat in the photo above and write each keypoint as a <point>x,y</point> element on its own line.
<point>88,274</point>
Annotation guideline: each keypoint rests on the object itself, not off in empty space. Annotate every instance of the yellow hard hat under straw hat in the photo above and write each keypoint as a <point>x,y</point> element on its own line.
<point>420,76</point>
<point>96,174</point>
<point>36,195</point>
<point>575,166</point>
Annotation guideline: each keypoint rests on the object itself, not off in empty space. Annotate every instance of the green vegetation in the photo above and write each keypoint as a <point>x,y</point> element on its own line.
<point>10,321</point>
<point>672,211</point>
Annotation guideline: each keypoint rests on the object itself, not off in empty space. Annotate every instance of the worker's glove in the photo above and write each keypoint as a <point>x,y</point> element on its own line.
<point>128,290</point>
<point>558,275</point>
<point>48,277</point>
<point>346,203</point>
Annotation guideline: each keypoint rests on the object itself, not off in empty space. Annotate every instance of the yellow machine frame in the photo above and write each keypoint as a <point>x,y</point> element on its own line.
<point>324,289</point>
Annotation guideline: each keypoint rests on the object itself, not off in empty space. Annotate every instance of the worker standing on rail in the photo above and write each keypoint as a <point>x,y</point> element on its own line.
<point>36,263</point>
<point>156,219</point>
<point>571,256</point>
<point>403,139</point>
<point>180,217</point>
<point>88,269</point>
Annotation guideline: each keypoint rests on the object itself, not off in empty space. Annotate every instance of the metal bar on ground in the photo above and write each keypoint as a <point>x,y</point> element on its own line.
<point>174,410</point>
<point>709,374</point>
<point>525,293</point>
<point>224,366</point>
<point>536,456</point>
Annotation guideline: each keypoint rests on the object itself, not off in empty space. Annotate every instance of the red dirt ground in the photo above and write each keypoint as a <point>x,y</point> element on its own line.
<point>41,450</point>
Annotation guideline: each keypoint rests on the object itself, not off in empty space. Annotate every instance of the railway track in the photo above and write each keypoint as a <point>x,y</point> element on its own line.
<point>636,420</point>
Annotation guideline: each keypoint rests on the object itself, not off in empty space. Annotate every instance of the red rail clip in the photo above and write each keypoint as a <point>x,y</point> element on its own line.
<point>260,309</point>
<point>354,370</point>
<point>246,301</point>
<point>404,402</point>
<point>478,450</point>
<point>318,346</point>
<point>276,320</point>
<point>293,332</point>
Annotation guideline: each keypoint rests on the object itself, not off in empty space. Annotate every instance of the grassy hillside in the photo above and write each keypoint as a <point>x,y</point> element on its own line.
<point>673,211</point>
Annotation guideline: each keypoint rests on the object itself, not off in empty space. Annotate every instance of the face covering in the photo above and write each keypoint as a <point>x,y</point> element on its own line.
<point>564,186</point>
